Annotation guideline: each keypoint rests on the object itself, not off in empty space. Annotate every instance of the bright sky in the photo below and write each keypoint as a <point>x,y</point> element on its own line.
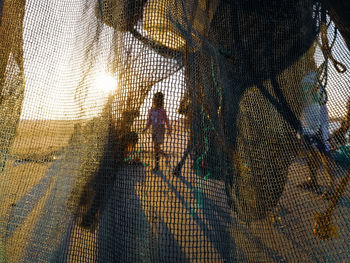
<point>52,72</point>
<point>55,52</point>
<point>338,84</point>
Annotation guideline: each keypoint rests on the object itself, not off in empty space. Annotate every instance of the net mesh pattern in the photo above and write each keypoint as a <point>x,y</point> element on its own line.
<point>174,131</point>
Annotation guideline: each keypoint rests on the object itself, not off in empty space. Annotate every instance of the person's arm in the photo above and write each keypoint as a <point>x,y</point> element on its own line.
<point>148,122</point>
<point>167,122</point>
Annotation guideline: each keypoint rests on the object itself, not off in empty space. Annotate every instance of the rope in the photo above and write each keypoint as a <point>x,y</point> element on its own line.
<point>326,48</point>
<point>323,81</point>
<point>323,227</point>
<point>199,161</point>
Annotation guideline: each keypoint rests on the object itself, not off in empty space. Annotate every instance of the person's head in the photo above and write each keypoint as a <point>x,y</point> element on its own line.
<point>158,100</point>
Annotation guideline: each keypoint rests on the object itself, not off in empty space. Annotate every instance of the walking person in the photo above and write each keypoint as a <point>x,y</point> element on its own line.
<point>157,119</point>
<point>314,132</point>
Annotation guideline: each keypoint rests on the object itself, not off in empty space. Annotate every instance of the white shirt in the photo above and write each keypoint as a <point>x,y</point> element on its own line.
<point>311,119</point>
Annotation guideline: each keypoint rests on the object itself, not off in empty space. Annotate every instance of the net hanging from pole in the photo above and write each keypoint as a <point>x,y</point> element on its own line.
<point>174,131</point>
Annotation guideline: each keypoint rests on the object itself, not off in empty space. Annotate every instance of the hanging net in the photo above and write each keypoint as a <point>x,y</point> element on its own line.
<point>174,131</point>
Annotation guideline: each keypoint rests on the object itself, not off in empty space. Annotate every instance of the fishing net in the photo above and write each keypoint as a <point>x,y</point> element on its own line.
<point>174,131</point>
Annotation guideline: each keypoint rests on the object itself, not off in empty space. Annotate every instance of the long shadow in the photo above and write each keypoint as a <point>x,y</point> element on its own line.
<point>216,231</point>
<point>217,234</point>
<point>223,215</point>
<point>124,233</point>
<point>54,213</point>
<point>166,248</point>
<point>25,205</point>
<point>123,227</point>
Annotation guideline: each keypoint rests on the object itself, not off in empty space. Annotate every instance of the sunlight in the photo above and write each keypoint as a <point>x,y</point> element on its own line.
<point>105,83</point>
<point>102,87</point>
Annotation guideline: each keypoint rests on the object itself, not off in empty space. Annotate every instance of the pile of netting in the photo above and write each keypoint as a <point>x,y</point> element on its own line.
<point>174,131</point>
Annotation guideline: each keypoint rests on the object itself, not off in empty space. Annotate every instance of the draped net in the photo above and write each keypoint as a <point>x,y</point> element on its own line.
<point>254,170</point>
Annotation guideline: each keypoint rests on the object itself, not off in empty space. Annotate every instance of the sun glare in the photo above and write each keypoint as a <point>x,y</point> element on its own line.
<point>102,87</point>
<point>105,83</point>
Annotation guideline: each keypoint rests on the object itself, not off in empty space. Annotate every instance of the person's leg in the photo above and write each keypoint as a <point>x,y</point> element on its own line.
<point>312,162</point>
<point>157,154</point>
<point>327,163</point>
<point>158,141</point>
<point>326,160</point>
<point>178,167</point>
<point>162,152</point>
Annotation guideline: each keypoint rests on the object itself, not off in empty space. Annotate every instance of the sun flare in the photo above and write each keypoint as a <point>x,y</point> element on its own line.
<point>105,83</point>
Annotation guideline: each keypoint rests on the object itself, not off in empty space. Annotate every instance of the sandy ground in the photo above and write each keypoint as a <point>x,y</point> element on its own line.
<point>150,216</point>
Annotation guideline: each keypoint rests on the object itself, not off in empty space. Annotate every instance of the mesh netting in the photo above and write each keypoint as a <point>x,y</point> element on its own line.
<point>174,131</point>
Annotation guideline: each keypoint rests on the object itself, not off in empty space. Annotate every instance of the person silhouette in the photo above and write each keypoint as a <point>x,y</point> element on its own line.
<point>157,119</point>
